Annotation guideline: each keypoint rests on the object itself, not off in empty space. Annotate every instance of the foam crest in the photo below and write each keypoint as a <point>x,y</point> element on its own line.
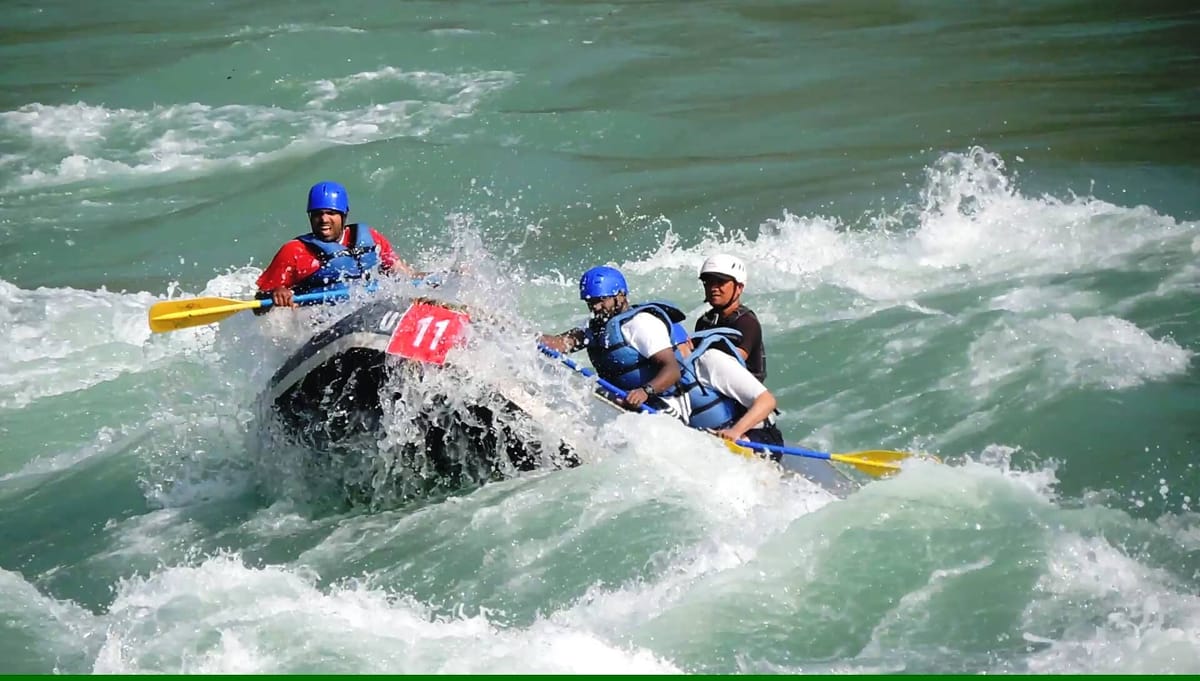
<point>221,617</point>
<point>727,488</point>
<point>63,340</point>
<point>971,226</point>
<point>43,627</point>
<point>259,32</point>
<point>1101,611</point>
<point>745,579</point>
<point>1063,351</point>
<point>974,483</point>
<point>81,142</point>
<point>463,89</point>
<point>105,441</point>
<point>789,253</point>
<point>1032,299</point>
<point>74,326</point>
<point>737,504</point>
<point>711,512</point>
<point>149,540</point>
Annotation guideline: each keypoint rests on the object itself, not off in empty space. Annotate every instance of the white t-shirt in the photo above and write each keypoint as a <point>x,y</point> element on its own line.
<point>721,372</point>
<point>646,333</point>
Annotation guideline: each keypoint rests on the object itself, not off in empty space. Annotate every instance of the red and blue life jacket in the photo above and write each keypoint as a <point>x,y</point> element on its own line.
<point>339,263</point>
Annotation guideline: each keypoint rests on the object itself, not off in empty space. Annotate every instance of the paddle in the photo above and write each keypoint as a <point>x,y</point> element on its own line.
<point>551,352</point>
<point>171,315</point>
<point>876,462</point>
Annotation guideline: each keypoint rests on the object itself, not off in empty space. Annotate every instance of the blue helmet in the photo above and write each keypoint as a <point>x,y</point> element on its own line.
<point>601,282</point>
<point>328,196</point>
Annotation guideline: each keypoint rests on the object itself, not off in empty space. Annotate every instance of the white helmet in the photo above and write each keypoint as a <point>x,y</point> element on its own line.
<point>726,265</point>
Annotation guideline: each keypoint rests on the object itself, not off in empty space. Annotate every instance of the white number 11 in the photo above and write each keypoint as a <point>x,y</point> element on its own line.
<point>423,326</point>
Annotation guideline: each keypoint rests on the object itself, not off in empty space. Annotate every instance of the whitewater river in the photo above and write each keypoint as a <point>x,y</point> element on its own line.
<point>972,230</point>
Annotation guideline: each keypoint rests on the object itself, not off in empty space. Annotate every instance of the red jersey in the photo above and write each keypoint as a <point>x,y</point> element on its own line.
<point>295,262</point>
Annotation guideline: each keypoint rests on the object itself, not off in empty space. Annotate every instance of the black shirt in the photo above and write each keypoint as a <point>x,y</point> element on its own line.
<point>743,319</point>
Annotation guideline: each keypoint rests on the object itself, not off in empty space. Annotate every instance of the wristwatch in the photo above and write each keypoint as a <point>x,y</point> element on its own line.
<point>649,390</point>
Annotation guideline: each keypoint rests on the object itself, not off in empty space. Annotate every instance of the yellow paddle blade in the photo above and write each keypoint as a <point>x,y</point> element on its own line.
<point>738,449</point>
<point>878,455</point>
<point>170,315</point>
<point>879,462</point>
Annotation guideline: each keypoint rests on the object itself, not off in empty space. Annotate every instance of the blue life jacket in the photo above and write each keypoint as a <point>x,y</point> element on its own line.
<point>619,363</point>
<point>339,263</point>
<point>710,409</point>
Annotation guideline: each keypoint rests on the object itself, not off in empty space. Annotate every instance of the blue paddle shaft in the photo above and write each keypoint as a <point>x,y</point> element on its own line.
<point>323,296</point>
<point>432,281</point>
<point>592,374</point>
<point>794,451</point>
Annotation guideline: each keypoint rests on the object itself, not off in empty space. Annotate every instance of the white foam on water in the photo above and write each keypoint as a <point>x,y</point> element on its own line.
<point>106,440</point>
<point>57,629</point>
<point>1049,298</point>
<point>159,536</point>
<point>973,215</point>
<point>970,483</point>
<point>971,227</point>
<point>1102,611</point>
<point>726,487</point>
<point>761,566</point>
<point>462,89</point>
<point>221,616</point>
<point>1061,351</point>
<point>189,441</point>
<point>64,340</point>
<point>739,504</point>
<point>281,518</point>
<point>260,32</point>
<point>1095,607</point>
<point>713,511</point>
<point>1183,527</point>
<point>459,32</point>
<point>71,143</point>
<point>1185,281</point>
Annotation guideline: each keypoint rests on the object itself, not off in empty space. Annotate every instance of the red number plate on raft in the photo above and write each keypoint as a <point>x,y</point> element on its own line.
<point>426,332</point>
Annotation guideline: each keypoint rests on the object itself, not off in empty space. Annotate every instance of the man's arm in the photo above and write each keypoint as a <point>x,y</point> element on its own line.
<point>281,275</point>
<point>568,341</point>
<point>761,408</point>
<point>667,376</point>
<point>721,372</point>
<point>651,337</point>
